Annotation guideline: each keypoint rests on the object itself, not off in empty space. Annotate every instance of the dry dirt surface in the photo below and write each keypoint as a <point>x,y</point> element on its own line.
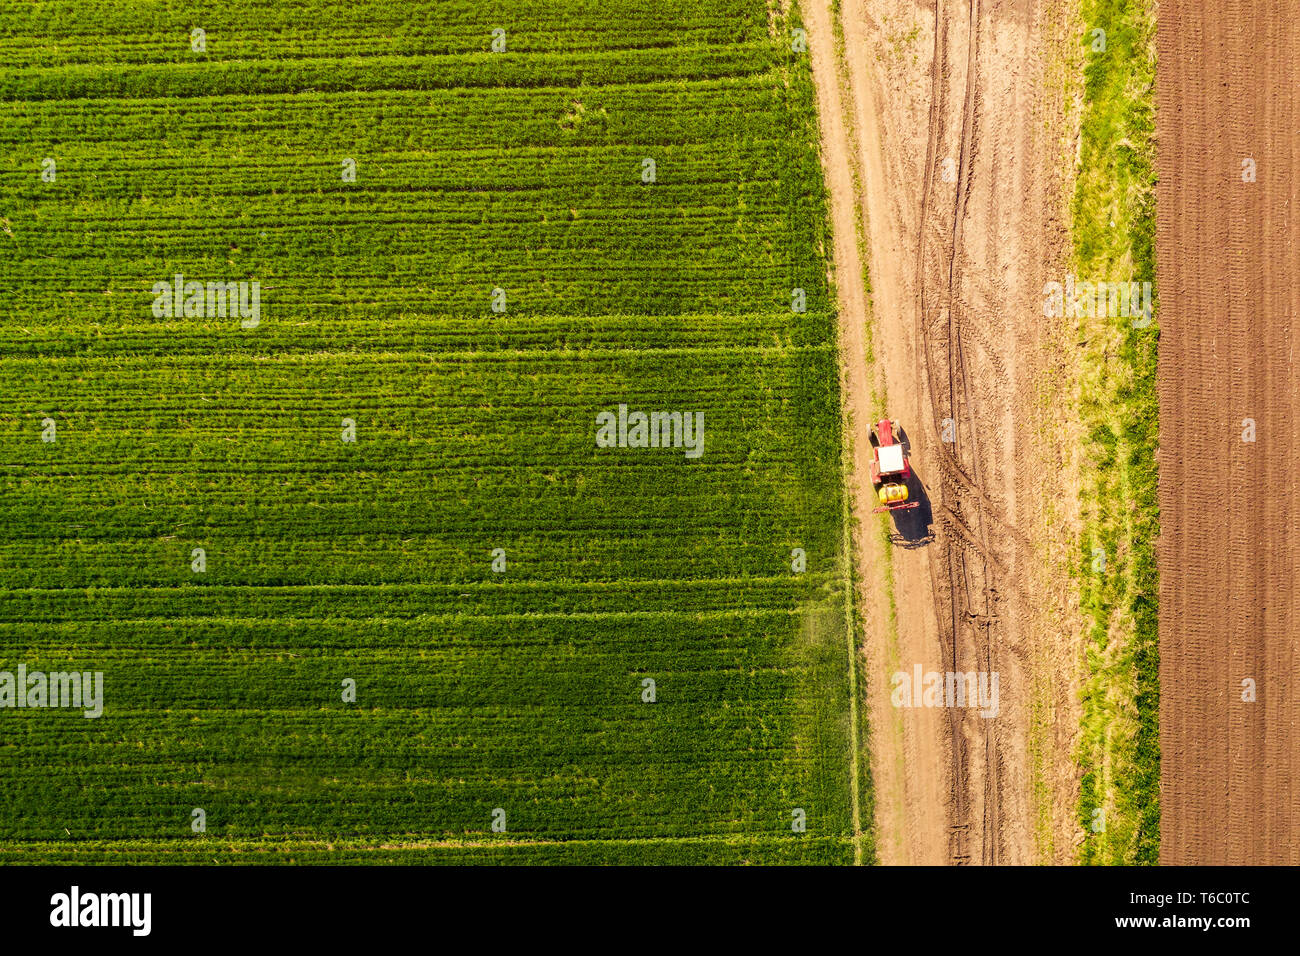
<point>944,144</point>
<point>1228,258</point>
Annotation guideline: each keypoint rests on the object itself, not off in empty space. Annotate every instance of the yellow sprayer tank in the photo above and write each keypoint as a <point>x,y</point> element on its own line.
<point>890,494</point>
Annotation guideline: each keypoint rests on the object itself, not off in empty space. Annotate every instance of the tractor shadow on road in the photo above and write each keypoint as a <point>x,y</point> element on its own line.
<point>912,526</point>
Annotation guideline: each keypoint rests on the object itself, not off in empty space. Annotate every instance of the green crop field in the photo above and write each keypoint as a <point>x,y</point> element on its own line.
<point>360,579</point>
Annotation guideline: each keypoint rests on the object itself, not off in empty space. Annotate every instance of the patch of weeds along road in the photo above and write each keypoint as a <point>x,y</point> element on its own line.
<point>1114,243</point>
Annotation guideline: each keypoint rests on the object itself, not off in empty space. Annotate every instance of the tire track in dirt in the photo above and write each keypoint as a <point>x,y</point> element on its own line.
<point>1227,266</point>
<point>967,639</point>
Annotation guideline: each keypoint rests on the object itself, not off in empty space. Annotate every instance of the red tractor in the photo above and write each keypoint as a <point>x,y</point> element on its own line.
<point>890,471</point>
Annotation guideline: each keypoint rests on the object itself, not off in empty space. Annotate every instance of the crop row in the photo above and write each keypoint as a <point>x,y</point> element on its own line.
<point>741,636</point>
<point>364,122</point>
<point>439,695</point>
<point>188,79</point>
<point>714,550</point>
<point>728,851</point>
<point>182,603</point>
<point>98,31</point>
<point>593,174</point>
<point>76,329</point>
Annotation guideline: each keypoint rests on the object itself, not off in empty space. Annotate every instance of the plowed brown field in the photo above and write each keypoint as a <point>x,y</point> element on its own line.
<point>1228,261</point>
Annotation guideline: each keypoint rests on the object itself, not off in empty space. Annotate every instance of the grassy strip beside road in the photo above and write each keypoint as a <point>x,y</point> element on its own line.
<point>1114,240</point>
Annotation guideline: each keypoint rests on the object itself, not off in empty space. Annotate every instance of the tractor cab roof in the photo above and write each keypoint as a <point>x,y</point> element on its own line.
<point>890,458</point>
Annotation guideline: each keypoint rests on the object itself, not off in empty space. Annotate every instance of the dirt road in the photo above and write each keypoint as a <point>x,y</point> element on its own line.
<point>1228,258</point>
<point>942,140</point>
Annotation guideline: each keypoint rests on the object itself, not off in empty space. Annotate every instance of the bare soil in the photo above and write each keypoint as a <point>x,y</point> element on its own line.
<point>1228,254</point>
